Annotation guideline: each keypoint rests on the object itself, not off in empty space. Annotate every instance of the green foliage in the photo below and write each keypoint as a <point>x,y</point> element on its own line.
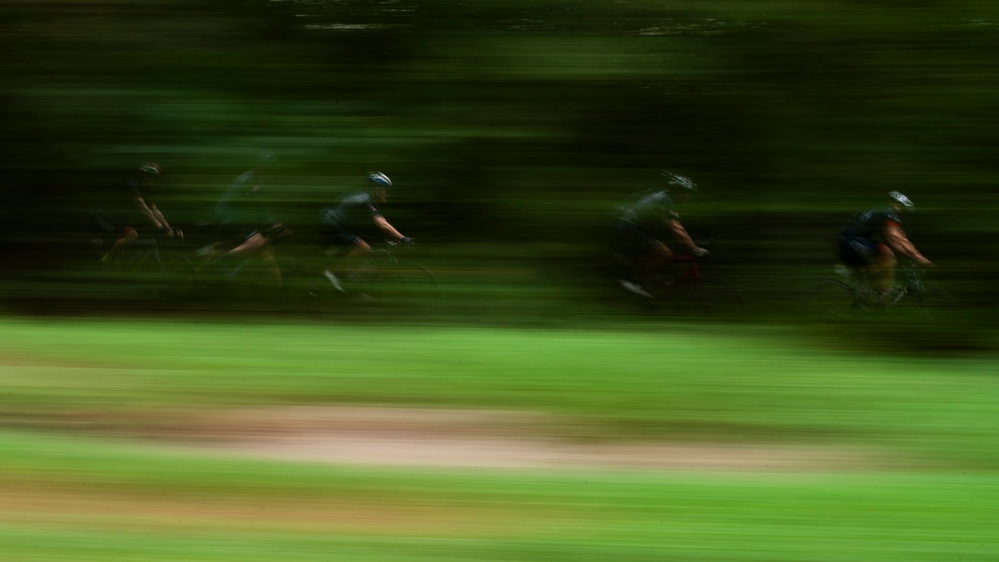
<point>512,121</point>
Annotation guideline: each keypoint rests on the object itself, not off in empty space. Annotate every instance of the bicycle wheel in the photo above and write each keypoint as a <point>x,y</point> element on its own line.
<point>407,283</point>
<point>179,275</point>
<point>708,295</point>
<point>930,301</point>
<point>832,299</point>
<point>303,283</point>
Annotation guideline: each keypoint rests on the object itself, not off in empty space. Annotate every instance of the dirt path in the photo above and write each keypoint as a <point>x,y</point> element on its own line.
<point>465,438</point>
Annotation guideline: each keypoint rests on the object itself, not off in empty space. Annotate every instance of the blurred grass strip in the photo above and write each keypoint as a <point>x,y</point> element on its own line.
<point>80,499</point>
<point>727,384</point>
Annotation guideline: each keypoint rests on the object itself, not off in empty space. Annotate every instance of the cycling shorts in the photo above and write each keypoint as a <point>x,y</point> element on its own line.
<point>634,240</point>
<point>858,251</point>
<point>334,235</point>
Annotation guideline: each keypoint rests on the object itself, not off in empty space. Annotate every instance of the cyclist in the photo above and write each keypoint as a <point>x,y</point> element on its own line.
<point>358,212</point>
<point>642,224</point>
<point>245,222</point>
<point>139,198</point>
<point>869,241</point>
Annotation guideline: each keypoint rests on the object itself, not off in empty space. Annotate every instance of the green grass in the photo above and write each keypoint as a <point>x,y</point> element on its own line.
<point>73,490</point>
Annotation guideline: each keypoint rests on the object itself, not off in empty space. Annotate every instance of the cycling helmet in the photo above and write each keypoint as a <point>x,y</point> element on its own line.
<point>379,179</point>
<point>151,168</point>
<point>684,183</point>
<point>901,200</point>
<point>265,157</point>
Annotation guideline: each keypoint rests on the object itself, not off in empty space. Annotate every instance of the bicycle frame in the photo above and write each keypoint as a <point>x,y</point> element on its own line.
<point>866,298</point>
<point>692,273</point>
<point>909,282</point>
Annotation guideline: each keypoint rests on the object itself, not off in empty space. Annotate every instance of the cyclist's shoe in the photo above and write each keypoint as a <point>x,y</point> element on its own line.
<point>329,275</point>
<point>105,260</point>
<point>634,288</point>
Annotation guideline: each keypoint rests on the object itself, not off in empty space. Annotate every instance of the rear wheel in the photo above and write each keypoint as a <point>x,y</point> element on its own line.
<point>179,274</point>
<point>303,283</point>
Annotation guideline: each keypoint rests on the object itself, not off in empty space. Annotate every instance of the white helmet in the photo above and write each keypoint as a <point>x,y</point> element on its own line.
<point>901,200</point>
<point>151,168</point>
<point>677,180</point>
<point>379,179</point>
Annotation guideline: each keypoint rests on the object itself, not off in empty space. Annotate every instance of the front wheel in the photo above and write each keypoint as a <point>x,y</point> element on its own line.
<point>930,300</point>
<point>404,283</point>
<point>832,300</point>
<point>711,294</point>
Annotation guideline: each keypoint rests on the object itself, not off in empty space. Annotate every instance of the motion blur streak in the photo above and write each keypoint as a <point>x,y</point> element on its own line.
<point>198,363</point>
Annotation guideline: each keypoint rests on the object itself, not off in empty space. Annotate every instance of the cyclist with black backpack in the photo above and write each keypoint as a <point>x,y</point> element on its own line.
<point>871,239</point>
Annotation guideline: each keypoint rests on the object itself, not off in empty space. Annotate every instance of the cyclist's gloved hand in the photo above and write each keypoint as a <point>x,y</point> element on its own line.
<point>406,240</point>
<point>700,252</point>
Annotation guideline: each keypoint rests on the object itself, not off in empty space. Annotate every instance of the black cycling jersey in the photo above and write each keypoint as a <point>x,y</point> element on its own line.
<point>242,205</point>
<point>648,211</point>
<point>118,210</point>
<point>872,223</point>
<point>861,238</point>
<point>355,211</point>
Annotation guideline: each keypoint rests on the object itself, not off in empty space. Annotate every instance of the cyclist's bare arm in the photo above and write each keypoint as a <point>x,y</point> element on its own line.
<point>387,228</point>
<point>148,212</point>
<point>898,241</point>
<point>171,231</point>
<point>684,239</point>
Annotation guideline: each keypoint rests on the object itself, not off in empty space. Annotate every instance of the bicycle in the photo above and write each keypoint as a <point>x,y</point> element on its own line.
<point>689,290</point>
<point>256,273</point>
<point>142,260</point>
<point>381,276</point>
<point>848,298</point>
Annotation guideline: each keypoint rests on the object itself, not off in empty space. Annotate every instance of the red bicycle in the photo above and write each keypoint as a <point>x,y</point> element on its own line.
<point>680,286</point>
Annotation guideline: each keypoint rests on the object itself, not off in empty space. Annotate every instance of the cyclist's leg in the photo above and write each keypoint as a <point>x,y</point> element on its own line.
<point>883,268</point>
<point>344,249</point>
<point>251,244</point>
<point>351,247</point>
<point>643,253</point>
<point>655,257</point>
<point>238,244</point>
<point>269,259</point>
<point>861,256</point>
<point>352,262</point>
<point>128,236</point>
